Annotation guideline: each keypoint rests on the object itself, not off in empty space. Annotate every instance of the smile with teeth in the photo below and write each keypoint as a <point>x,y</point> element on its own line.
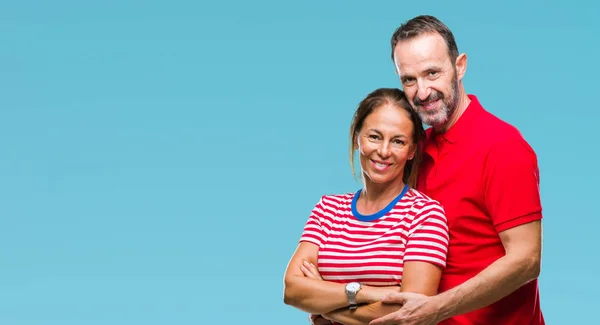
<point>380,166</point>
<point>430,104</point>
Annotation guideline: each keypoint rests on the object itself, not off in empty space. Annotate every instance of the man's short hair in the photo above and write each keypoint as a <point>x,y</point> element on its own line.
<point>421,25</point>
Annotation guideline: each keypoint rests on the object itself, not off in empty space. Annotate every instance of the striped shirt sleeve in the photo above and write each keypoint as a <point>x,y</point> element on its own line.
<point>314,231</point>
<point>428,235</point>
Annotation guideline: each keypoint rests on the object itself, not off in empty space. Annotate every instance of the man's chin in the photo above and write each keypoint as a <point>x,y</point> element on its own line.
<point>434,121</point>
<point>431,117</point>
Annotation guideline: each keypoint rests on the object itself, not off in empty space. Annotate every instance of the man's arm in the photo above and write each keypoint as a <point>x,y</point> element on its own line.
<point>512,199</point>
<point>520,265</point>
<point>362,315</point>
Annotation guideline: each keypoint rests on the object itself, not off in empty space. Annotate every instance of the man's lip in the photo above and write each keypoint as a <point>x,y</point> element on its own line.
<point>428,103</point>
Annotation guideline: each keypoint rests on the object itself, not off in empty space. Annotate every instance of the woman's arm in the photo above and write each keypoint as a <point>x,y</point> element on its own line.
<point>315,296</point>
<point>310,295</point>
<point>417,276</point>
<point>424,260</point>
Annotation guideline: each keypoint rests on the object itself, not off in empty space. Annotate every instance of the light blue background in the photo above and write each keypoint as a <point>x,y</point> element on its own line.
<point>158,160</point>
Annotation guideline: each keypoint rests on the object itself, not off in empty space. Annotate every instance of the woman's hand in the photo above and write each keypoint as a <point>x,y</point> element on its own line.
<point>310,271</point>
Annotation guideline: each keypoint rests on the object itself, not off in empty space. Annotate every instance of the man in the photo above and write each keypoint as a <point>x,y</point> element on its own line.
<point>486,176</point>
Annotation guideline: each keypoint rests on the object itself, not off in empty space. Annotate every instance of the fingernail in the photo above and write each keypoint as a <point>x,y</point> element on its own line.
<point>306,263</point>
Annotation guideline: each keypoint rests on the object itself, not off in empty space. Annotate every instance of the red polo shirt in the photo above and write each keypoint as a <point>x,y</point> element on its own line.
<point>486,176</point>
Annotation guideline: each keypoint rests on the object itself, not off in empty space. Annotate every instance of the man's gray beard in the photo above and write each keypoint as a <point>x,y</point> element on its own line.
<point>443,114</point>
<point>438,118</point>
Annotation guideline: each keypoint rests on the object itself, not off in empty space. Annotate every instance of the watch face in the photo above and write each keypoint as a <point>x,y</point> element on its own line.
<point>353,286</point>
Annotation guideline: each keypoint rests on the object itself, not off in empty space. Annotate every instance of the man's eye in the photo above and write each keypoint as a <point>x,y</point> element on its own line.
<point>373,137</point>
<point>409,81</point>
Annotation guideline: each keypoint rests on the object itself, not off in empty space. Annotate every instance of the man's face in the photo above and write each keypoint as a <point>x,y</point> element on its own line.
<point>428,77</point>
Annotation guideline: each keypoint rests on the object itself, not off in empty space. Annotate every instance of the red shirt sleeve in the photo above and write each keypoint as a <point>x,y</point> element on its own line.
<point>511,184</point>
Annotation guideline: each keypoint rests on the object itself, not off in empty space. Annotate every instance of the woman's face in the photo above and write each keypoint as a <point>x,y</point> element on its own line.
<point>385,144</point>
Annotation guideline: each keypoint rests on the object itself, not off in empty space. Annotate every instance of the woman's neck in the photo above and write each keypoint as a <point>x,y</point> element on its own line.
<point>375,197</point>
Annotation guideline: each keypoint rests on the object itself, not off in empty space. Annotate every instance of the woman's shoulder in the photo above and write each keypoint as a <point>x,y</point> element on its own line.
<point>337,200</point>
<point>340,196</point>
<point>419,207</point>
<point>420,200</point>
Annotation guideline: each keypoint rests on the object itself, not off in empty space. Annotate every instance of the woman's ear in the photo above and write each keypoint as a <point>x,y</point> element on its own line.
<point>413,151</point>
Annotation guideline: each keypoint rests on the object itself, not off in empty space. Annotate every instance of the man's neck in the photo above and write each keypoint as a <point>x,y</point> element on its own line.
<point>463,103</point>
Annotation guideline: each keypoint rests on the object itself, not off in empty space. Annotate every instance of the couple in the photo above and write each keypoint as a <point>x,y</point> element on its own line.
<point>447,228</point>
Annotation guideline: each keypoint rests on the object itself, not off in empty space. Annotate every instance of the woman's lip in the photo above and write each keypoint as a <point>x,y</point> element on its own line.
<point>381,166</point>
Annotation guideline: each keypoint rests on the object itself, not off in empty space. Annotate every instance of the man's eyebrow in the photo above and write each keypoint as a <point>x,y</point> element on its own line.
<point>433,68</point>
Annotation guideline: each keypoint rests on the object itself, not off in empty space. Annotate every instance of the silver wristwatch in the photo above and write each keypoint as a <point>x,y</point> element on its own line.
<point>352,289</point>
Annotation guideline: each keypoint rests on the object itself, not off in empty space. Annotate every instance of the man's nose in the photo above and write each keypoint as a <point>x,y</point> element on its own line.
<point>423,90</point>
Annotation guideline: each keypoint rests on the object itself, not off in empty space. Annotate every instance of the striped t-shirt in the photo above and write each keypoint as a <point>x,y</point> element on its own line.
<point>371,249</point>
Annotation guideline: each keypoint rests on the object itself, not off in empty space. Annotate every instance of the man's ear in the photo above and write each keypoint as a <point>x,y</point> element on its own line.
<point>461,66</point>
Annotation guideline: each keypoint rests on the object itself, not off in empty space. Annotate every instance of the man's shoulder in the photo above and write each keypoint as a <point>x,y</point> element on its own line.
<point>494,128</point>
<point>493,132</point>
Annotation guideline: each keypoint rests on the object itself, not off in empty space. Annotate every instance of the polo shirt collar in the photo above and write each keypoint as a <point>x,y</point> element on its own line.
<point>464,124</point>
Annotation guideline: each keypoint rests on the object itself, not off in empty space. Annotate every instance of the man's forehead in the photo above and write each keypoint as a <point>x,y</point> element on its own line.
<point>421,50</point>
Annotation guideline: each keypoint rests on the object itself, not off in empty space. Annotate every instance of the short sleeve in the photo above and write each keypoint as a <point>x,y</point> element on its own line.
<point>314,231</point>
<point>428,235</point>
<point>511,185</point>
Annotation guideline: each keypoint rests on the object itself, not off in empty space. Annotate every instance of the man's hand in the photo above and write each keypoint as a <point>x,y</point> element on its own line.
<point>318,320</point>
<point>417,309</point>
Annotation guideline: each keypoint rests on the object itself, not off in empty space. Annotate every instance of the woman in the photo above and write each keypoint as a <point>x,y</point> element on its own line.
<point>386,237</point>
